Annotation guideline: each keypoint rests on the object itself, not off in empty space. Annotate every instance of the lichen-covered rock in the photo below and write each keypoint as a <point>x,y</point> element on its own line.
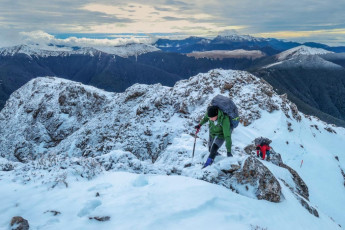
<point>255,174</point>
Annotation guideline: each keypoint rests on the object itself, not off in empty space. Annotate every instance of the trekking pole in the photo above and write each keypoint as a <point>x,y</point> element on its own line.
<point>196,134</point>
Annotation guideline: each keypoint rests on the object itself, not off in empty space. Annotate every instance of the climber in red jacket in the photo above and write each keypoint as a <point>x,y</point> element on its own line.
<point>262,150</point>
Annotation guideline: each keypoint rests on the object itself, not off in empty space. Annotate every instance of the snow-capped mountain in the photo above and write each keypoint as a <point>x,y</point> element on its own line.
<point>240,38</point>
<point>305,57</point>
<point>55,131</point>
<point>53,50</point>
<point>300,51</point>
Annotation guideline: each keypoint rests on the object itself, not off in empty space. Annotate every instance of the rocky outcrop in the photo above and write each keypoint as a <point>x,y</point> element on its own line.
<point>255,174</point>
<point>19,223</point>
<point>51,115</point>
<point>301,187</point>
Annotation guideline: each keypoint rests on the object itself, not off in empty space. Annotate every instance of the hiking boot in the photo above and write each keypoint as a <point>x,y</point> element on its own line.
<point>208,162</point>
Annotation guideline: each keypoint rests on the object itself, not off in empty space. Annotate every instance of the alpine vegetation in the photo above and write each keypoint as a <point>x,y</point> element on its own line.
<point>125,160</point>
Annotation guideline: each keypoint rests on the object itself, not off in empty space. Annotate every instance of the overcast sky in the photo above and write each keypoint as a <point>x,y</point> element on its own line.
<point>298,20</point>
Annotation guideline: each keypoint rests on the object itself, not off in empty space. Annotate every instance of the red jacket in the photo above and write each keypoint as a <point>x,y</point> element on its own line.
<point>263,149</point>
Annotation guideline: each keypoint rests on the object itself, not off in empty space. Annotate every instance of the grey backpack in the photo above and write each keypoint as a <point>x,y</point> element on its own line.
<point>262,141</point>
<point>228,107</point>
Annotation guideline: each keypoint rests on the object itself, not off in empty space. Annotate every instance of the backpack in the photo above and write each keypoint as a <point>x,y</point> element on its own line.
<point>262,141</point>
<point>228,107</point>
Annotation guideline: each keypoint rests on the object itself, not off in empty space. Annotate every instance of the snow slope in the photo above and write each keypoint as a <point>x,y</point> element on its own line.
<point>67,141</point>
<point>149,202</point>
<point>299,51</point>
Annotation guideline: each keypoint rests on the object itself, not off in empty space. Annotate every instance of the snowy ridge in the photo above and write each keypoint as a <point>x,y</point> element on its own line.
<point>52,50</point>
<point>305,61</point>
<point>56,132</point>
<point>299,51</point>
<point>241,38</point>
<point>305,57</point>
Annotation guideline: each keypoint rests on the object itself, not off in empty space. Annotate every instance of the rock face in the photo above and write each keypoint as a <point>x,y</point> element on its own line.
<point>260,177</point>
<point>19,223</point>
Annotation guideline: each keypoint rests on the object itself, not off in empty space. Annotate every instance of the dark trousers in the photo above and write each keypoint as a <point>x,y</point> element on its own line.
<point>213,145</point>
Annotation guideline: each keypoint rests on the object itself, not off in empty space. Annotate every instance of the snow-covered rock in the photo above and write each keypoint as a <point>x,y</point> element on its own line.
<point>84,131</point>
<point>255,174</point>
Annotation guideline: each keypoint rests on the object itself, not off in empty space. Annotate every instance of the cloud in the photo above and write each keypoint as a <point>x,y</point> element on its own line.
<point>176,16</point>
<point>44,40</point>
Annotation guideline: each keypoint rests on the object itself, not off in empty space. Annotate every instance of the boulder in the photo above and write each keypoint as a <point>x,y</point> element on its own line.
<point>255,174</point>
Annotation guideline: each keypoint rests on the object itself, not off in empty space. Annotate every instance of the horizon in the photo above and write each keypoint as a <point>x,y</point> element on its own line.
<point>112,39</point>
<point>320,22</point>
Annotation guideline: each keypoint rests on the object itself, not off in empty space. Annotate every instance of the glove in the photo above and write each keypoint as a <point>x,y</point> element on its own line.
<point>229,154</point>
<point>197,126</point>
<point>257,148</point>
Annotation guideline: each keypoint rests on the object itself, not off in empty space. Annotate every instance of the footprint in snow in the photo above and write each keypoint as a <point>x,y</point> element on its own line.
<point>89,207</point>
<point>140,181</point>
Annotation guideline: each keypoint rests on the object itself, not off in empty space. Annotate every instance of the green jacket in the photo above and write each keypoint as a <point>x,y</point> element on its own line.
<point>221,130</point>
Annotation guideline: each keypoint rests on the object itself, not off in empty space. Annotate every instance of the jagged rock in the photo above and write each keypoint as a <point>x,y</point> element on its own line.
<point>275,158</point>
<point>250,149</point>
<point>289,106</point>
<point>310,208</point>
<point>330,130</point>
<point>304,202</point>
<point>259,176</point>
<point>302,188</point>
<point>19,223</point>
<point>61,116</point>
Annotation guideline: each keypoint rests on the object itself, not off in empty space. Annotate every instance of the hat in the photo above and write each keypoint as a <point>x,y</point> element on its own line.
<point>212,111</point>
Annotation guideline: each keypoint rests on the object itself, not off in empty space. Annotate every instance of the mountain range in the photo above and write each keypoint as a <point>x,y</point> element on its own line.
<point>313,78</point>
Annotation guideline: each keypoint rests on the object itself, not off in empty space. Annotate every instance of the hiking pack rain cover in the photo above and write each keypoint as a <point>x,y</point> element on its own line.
<point>228,107</point>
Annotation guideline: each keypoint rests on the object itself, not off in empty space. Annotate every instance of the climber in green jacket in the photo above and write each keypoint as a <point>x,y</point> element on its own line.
<point>219,131</point>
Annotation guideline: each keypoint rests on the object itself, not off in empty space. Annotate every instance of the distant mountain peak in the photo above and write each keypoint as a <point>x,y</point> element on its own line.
<point>240,38</point>
<point>299,51</point>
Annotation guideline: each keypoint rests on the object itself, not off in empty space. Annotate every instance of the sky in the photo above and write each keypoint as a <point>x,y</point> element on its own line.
<point>295,20</point>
